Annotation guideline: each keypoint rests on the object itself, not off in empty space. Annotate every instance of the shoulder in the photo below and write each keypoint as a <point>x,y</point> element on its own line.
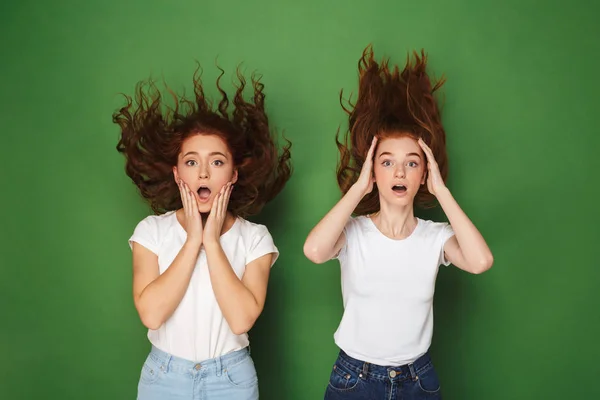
<point>156,225</point>
<point>158,221</point>
<point>150,231</point>
<point>249,229</point>
<point>360,221</point>
<point>356,225</point>
<point>255,239</point>
<point>432,229</point>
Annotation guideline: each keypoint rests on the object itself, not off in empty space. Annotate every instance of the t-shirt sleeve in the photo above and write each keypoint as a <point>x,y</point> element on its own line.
<point>146,234</point>
<point>349,234</point>
<point>261,244</point>
<point>446,233</point>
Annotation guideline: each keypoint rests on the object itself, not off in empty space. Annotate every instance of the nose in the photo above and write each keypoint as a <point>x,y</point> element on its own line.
<point>203,172</point>
<point>400,172</point>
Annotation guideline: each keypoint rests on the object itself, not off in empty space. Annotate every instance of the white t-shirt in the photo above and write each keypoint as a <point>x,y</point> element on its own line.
<point>387,290</point>
<point>197,330</point>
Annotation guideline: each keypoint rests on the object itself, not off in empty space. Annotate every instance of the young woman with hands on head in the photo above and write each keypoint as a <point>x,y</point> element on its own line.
<point>393,158</point>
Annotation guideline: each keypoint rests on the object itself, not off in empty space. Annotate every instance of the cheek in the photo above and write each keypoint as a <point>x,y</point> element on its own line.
<point>185,173</point>
<point>417,175</point>
<point>380,173</point>
<point>377,175</point>
<point>223,175</point>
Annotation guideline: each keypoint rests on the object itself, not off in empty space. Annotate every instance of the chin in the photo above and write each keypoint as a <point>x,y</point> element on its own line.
<point>399,201</point>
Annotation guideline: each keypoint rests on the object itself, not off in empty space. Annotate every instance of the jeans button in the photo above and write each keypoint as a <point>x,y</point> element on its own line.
<point>197,367</point>
<point>392,374</point>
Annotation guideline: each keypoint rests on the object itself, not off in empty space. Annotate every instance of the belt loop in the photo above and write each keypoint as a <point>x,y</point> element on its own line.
<point>168,362</point>
<point>365,369</point>
<point>413,374</point>
<point>218,360</point>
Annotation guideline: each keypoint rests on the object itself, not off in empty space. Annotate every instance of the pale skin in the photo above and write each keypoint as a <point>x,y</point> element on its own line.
<point>400,160</point>
<point>204,161</point>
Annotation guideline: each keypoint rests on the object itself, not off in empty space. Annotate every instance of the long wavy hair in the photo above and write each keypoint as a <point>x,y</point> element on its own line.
<point>390,103</point>
<point>152,134</point>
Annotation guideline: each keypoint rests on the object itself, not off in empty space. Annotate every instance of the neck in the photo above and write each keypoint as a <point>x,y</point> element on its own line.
<point>228,223</point>
<point>395,221</point>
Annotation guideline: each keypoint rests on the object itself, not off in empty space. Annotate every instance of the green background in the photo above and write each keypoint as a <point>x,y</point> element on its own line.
<point>521,114</point>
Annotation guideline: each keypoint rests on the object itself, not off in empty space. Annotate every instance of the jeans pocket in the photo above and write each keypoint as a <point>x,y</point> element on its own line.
<point>151,371</point>
<point>343,378</point>
<point>242,374</point>
<point>428,380</point>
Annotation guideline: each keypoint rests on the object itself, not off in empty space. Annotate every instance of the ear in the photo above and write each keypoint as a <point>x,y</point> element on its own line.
<point>234,178</point>
<point>175,174</point>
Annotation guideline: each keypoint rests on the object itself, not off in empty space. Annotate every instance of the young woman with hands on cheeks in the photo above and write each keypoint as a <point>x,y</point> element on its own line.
<point>200,270</point>
<point>393,158</point>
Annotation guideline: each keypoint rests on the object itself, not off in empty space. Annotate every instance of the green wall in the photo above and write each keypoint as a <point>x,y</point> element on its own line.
<point>521,117</point>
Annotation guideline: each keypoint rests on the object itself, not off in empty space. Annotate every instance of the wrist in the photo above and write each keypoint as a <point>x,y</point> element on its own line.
<point>357,192</point>
<point>193,241</point>
<point>442,193</point>
<point>211,244</point>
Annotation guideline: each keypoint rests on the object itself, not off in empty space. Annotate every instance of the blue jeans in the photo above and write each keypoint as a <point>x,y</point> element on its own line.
<point>352,379</point>
<point>229,377</point>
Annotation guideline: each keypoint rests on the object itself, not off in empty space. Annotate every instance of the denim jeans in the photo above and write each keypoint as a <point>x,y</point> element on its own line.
<point>229,377</point>
<point>352,379</point>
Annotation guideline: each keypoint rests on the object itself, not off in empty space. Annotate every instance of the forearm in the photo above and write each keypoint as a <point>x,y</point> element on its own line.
<point>320,243</point>
<point>472,244</point>
<point>159,300</point>
<point>236,301</point>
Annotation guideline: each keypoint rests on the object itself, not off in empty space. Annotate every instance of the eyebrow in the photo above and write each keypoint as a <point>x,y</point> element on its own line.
<point>214,153</point>
<point>387,153</point>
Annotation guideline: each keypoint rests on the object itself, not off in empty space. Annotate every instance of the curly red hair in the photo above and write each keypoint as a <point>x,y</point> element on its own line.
<point>152,134</point>
<point>390,103</point>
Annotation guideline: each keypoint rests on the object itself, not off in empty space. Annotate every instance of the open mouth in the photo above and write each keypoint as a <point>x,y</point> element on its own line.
<point>203,193</point>
<point>400,189</point>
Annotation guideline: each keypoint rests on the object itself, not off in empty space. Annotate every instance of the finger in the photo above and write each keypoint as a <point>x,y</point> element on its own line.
<point>430,153</point>
<point>226,202</point>
<point>197,199</point>
<point>194,203</point>
<point>372,148</point>
<point>188,196</point>
<point>216,204</point>
<point>213,208</point>
<point>191,202</point>
<point>183,194</point>
<point>430,159</point>
<point>425,148</point>
<point>221,198</point>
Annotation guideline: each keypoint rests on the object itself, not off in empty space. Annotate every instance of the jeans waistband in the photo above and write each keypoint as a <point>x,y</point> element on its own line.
<point>215,365</point>
<point>402,372</point>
